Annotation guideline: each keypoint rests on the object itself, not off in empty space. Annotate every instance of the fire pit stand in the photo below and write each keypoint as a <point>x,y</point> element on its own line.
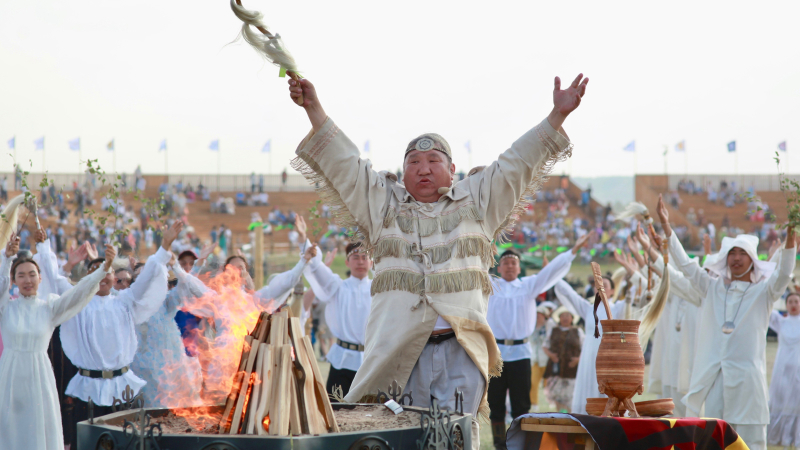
<point>133,429</point>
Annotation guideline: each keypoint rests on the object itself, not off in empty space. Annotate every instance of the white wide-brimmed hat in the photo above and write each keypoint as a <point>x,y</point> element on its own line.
<point>718,263</point>
<point>562,309</point>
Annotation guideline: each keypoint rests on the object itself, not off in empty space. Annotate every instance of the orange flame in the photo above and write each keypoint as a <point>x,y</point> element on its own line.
<point>231,312</point>
<point>265,422</point>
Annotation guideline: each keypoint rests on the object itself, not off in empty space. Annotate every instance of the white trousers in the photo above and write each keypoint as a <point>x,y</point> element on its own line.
<point>755,436</point>
<point>440,370</point>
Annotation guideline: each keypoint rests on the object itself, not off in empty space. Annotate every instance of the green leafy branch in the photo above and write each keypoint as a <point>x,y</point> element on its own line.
<point>791,193</point>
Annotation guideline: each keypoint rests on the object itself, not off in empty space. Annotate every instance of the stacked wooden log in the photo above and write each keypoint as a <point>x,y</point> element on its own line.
<point>278,389</point>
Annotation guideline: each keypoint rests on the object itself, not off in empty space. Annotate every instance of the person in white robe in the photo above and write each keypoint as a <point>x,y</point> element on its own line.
<point>586,379</point>
<point>512,317</point>
<point>101,340</point>
<point>347,308</point>
<point>540,358</point>
<point>174,379</point>
<point>729,374</point>
<point>30,415</point>
<point>784,390</point>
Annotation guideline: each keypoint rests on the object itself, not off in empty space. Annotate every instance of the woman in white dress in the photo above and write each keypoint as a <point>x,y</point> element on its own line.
<point>784,391</point>
<point>30,415</point>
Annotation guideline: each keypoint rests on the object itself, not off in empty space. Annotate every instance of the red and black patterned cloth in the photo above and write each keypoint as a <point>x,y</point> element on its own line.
<point>615,433</point>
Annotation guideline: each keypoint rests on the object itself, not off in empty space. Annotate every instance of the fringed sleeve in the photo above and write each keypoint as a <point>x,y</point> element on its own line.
<point>504,189</point>
<point>356,194</point>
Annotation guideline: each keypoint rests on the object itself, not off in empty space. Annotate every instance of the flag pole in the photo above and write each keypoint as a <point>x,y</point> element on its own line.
<point>166,162</point>
<point>219,187</point>
<point>43,154</point>
<point>666,149</point>
<point>114,160</point>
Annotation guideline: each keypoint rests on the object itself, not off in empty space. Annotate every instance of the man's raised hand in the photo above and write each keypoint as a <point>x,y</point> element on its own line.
<point>170,234</point>
<point>311,102</point>
<point>663,214</point>
<point>566,100</point>
<point>581,242</point>
<point>12,248</point>
<point>111,253</point>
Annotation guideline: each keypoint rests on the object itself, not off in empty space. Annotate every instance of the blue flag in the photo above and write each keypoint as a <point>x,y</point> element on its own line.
<point>75,144</point>
<point>39,143</point>
<point>267,147</point>
<point>630,147</point>
<point>782,146</point>
<point>110,146</point>
<point>214,146</point>
<point>468,146</point>
<point>680,146</point>
<point>366,147</point>
<point>12,143</point>
<point>732,146</point>
<point>163,146</point>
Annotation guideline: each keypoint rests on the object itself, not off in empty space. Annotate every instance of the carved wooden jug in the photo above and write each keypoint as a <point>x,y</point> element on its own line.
<point>620,361</point>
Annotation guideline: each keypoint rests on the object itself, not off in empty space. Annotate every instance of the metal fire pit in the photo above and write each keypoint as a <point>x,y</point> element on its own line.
<point>132,430</point>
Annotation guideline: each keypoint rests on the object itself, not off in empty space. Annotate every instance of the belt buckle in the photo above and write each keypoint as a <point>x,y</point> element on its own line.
<point>108,374</point>
<point>508,342</point>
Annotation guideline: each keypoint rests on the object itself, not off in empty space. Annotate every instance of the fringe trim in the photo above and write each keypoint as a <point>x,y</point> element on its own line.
<point>466,246</point>
<point>330,196</point>
<point>554,155</point>
<point>429,226</point>
<point>483,413</point>
<point>435,283</point>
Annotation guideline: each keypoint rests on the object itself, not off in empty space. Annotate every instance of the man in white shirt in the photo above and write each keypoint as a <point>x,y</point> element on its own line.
<point>512,316</point>
<point>348,305</point>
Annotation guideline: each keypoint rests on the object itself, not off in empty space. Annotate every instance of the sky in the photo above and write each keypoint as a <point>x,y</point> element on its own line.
<point>706,73</point>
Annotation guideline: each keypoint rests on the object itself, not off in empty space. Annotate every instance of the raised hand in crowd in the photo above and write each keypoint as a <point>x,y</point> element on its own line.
<point>111,253</point>
<point>12,248</point>
<point>634,249</point>
<point>248,280</point>
<point>330,256</point>
<point>707,244</point>
<point>310,253</point>
<point>301,228</point>
<point>582,241</point>
<point>41,236</point>
<point>91,251</point>
<point>76,256</point>
<point>629,265</point>
<point>663,214</point>
<point>641,236</point>
<point>170,234</point>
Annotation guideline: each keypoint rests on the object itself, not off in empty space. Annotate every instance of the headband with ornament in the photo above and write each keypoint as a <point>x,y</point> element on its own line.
<point>429,141</point>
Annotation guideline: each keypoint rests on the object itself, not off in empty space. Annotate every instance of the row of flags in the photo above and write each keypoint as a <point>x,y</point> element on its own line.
<point>681,146</point>
<point>75,145</point>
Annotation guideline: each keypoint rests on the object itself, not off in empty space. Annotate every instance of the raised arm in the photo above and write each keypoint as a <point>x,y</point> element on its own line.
<point>572,300</point>
<point>779,280</point>
<point>6,259</point>
<point>149,291</point>
<point>698,277</point>
<point>327,158</point>
<point>775,319</point>
<point>682,288</point>
<point>557,269</point>
<point>322,280</point>
<point>77,297</point>
<point>52,281</point>
<point>285,281</point>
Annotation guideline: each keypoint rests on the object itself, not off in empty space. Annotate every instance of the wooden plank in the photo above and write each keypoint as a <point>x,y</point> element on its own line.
<point>280,404</point>
<point>295,424</point>
<point>313,414</point>
<point>553,428</point>
<point>247,383</point>
<point>225,421</point>
<point>323,402</point>
<point>268,364</point>
<point>252,404</point>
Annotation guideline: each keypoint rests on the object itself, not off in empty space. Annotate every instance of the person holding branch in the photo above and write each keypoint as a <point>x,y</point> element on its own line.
<point>431,241</point>
<point>31,416</point>
<point>729,374</point>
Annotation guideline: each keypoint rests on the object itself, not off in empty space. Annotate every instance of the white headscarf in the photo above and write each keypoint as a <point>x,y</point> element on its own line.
<point>718,263</point>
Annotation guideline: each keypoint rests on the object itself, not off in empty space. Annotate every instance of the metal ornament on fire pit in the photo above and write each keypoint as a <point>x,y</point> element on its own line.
<point>437,431</point>
<point>142,432</point>
<point>396,394</point>
<point>129,401</point>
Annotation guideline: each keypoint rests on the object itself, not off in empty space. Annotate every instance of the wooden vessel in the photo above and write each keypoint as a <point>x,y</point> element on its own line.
<point>620,361</point>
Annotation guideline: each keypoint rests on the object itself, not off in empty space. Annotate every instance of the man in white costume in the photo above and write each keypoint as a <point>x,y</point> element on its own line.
<point>729,373</point>
<point>347,309</point>
<point>512,316</point>
<point>430,238</point>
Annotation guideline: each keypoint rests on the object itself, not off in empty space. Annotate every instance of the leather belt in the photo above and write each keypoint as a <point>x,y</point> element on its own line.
<point>349,345</point>
<point>512,341</point>
<point>104,374</point>
<point>439,338</point>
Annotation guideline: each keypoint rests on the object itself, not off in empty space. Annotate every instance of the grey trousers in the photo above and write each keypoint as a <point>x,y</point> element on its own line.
<point>440,369</point>
<point>755,436</point>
